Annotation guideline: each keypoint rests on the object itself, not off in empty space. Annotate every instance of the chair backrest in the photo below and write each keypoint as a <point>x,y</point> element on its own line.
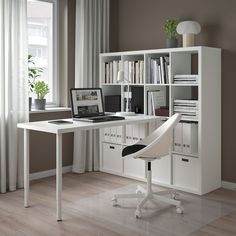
<point>159,141</point>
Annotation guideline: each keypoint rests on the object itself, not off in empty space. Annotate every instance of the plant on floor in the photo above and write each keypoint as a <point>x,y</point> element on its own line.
<point>170,30</point>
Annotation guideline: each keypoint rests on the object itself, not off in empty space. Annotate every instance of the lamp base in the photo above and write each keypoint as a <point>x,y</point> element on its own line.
<point>124,113</point>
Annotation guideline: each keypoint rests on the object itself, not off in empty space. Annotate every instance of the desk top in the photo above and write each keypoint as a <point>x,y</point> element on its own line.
<point>44,126</point>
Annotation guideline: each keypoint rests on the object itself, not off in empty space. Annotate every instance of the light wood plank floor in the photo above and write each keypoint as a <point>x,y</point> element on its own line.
<point>39,219</point>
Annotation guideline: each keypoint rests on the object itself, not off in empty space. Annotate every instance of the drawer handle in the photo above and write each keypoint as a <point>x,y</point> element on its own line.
<point>112,147</point>
<point>185,160</point>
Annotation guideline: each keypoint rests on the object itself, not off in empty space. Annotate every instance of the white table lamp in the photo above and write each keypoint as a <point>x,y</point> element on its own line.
<point>188,29</point>
<point>121,79</point>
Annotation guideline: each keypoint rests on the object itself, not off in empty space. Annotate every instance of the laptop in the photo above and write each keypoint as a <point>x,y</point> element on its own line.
<point>87,105</point>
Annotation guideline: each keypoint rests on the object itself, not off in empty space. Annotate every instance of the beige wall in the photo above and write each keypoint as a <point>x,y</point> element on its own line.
<point>43,145</point>
<point>137,24</point>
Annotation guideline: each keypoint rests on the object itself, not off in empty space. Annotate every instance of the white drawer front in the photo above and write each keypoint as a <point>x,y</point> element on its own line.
<point>161,170</point>
<point>112,160</point>
<point>186,172</point>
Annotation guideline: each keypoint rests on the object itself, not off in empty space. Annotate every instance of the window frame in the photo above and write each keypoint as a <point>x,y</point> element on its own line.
<point>55,54</point>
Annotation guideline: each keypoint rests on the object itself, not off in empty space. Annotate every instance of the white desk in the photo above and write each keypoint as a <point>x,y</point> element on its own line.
<point>58,130</point>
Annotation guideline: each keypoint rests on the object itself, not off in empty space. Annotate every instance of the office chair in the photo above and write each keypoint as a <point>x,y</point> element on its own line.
<point>153,147</point>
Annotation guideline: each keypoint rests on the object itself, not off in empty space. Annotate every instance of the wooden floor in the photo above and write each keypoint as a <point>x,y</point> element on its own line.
<point>39,219</point>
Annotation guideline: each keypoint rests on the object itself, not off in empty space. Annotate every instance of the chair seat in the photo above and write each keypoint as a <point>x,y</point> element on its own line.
<point>132,149</point>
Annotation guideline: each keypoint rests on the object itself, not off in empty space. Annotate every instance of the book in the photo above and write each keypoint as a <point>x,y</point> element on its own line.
<point>156,99</point>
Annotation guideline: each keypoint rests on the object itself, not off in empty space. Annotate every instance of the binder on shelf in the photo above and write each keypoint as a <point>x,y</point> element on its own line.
<point>142,131</point>
<point>178,138</point>
<point>129,134</point>
<point>107,134</point>
<point>119,134</point>
<point>190,138</point>
<point>135,133</point>
<point>113,135</point>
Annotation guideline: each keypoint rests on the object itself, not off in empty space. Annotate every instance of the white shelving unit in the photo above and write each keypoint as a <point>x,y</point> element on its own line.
<point>197,173</point>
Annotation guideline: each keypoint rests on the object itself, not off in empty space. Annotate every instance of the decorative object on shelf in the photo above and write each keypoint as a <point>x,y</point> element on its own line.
<point>33,74</point>
<point>170,30</point>
<point>128,95</point>
<point>188,29</point>
<point>41,90</point>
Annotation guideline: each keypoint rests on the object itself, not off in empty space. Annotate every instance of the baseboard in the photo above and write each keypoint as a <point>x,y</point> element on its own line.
<point>228,185</point>
<point>67,169</point>
<point>48,173</point>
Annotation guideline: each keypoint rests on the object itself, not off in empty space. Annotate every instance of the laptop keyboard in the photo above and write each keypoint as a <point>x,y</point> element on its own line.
<point>106,118</point>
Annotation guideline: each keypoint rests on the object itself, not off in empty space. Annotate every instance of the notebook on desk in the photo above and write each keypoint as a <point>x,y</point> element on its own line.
<point>87,105</point>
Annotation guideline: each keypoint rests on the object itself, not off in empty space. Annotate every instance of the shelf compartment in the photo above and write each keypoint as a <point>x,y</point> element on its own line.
<point>186,172</point>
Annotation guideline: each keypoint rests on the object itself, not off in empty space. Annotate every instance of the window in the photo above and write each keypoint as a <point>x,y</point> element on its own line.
<point>42,45</point>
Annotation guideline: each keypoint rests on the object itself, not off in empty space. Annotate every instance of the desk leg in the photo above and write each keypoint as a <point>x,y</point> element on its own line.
<point>26,168</point>
<point>59,174</point>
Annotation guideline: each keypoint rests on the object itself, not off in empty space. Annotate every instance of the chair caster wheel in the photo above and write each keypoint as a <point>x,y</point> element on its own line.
<point>138,214</point>
<point>138,191</point>
<point>175,196</point>
<point>179,210</point>
<point>114,201</point>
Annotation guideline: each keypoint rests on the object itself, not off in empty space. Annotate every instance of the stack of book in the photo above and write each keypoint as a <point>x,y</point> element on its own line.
<point>159,70</point>
<point>187,108</point>
<point>134,71</point>
<point>110,70</point>
<point>185,79</point>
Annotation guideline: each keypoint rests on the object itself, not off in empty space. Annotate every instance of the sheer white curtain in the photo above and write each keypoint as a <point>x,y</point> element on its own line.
<point>92,38</point>
<point>13,91</point>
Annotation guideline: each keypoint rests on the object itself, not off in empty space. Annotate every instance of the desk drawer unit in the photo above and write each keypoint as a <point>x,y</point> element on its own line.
<point>112,160</point>
<point>186,173</point>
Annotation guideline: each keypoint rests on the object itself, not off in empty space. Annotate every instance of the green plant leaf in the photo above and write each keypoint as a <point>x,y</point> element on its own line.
<point>170,28</point>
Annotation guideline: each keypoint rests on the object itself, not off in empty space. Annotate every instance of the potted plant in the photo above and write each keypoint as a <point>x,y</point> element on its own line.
<point>41,90</point>
<point>170,30</point>
<point>33,73</point>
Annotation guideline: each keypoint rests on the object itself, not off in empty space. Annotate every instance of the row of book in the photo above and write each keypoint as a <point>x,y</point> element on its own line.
<point>133,71</point>
<point>111,71</point>
<point>188,108</point>
<point>185,79</point>
<point>159,70</point>
<point>186,137</point>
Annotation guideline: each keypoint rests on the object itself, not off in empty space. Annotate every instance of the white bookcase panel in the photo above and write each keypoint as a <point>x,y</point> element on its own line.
<point>194,73</point>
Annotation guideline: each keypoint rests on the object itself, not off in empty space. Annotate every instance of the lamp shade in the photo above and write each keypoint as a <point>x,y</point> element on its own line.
<point>188,27</point>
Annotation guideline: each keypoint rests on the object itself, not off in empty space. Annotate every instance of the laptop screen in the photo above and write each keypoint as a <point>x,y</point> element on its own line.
<point>86,102</point>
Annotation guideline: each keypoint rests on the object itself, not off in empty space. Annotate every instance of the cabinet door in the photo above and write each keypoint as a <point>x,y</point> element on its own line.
<point>112,160</point>
<point>161,170</point>
<point>186,172</point>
